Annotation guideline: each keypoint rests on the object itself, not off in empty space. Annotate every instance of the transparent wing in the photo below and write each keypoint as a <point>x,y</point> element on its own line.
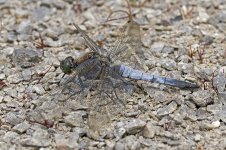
<point>104,97</point>
<point>109,101</point>
<point>90,43</point>
<point>128,48</point>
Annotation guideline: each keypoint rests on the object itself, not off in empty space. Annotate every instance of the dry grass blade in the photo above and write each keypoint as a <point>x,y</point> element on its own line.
<point>128,14</point>
<point>117,11</point>
<point>40,44</point>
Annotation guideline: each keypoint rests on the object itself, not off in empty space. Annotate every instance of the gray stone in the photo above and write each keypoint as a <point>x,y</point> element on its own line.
<point>165,120</point>
<point>129,142</point>
<point>25,27</point>
<point>172,142</point>
<point>23,37</point>
<point>202,98</point>
<point>54,32</point>
<point>38,89</point>
<point>57,3</point>
<point>119,146</point>
<point>132,114</point>
<point>183,59</point>
<point>8,146</point>
<point>157,95</point>
<point>223,114</point>
<point>170,135</point>
<point>60,140</point>
<point>217,19</point>
<point>178,117</point>
<point>157,47</point>
<point>197,137</point>
<point>207,40</point>
<point>219,82</point>
<point>190,104</point>
<point>146,41</point>
<point>168,49</point>
<point>168,109</point>
<point>7,98</point>
<point>49,105</point>
<point>3,1</point>
<point>2,132</point>
<point>134,126</point>
<point>204,72</point>
<point>149,130</point>
<point>110,145</point>
<point>215,108</point>
<point>146,142</point>
<point>11,37</point>
<point>222,144</point>
<point>13,104</point>
<point>168,64</point>
<point>2,76</point>
<point>185,67</point>
<point>216,124</point>
<point>209,126</point>
<point>203,16</point>
<point>79,131</point>
<point>202,114</point>
<point>11,137</point>
<point>22,127</point>
<point>54,43</point>
<point>26,57</point>
<point>26,74</point>
<point>74,136</point>
<point>40,138</point>
<point>188,113</point>
<point>20,12</point>
<point>184,112</point>
<point>222,97</point>
<point>119,132</point>
<point>13,118</point>
<point>75,119</point>
<point>15,78</point>
<point>56,113</point>
<point>40,13</point>
<point>11,92</point>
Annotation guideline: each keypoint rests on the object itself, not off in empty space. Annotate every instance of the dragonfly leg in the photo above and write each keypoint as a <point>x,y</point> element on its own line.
<point>113,92</point>
<point>70,90</point>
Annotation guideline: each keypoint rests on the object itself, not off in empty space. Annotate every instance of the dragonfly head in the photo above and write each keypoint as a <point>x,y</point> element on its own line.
<point>67,65</point>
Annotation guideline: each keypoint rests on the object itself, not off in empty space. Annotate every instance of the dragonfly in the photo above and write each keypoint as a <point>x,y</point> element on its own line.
<point>108,77</point>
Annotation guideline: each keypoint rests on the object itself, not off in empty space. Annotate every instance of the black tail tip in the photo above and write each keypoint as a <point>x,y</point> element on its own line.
<point>184,85</point>
<point>189,86</point>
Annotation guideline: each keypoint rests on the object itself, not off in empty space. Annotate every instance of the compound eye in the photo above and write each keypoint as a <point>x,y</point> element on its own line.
<point>67,64</point>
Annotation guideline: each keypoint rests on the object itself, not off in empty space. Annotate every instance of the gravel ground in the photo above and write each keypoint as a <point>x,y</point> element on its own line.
<point>184,40</point>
